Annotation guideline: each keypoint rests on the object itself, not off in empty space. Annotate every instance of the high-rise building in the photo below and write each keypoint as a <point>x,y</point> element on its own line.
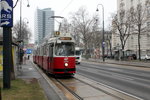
<point>44,25</point>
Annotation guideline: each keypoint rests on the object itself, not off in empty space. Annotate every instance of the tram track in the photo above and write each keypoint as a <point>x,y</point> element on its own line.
<point>100,89</point>
<point>53,83</point>
<point>77,89</point>
<point>132,82</point>
<point>72,92</point>
<point>80,96</point>
<point>50,83</point>
<point>121,95</point>
<point>58,85</point>
<point>123,74</point>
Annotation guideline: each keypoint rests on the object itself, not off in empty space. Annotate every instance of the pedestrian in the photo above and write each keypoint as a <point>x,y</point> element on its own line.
<point>24,59</point>
<point>21,56</point>
<point>28,57</point>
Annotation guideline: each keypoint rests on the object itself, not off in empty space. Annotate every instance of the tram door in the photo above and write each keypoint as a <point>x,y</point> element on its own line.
<point>51,46</point>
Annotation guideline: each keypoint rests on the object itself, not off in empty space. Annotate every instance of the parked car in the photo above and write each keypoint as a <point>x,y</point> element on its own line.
<point>132,57</point>
<point>145,57</point>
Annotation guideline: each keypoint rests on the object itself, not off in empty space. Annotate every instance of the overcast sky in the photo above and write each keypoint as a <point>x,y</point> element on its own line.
<point>61,8</point>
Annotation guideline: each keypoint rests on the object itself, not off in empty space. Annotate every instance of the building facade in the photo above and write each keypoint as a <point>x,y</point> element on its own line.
<point>44,25</point>
<point>132,41</point>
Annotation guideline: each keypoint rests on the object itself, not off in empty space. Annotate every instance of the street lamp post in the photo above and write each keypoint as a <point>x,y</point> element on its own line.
<point>103,43</point>
<point>27,21</point>
<point>20,34</point>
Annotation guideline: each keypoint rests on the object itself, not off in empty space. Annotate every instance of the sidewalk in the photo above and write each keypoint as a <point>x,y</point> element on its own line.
<point>28,71</point>
<point>128,63</point>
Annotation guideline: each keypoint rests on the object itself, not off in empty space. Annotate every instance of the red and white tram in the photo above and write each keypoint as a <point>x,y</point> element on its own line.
<point>56,55</point>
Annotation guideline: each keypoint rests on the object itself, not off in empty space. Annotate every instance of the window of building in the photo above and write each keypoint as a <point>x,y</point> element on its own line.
<point>148,26</point>
<point>148,11</point>
<point>139,1</point>
<point>148,35</point>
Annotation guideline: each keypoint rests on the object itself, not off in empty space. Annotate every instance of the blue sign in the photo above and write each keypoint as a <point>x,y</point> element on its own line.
<point>6,10</point>
<point>28,51</point>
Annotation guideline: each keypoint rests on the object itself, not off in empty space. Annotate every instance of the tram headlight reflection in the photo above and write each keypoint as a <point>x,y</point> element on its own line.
<point>66,64</point>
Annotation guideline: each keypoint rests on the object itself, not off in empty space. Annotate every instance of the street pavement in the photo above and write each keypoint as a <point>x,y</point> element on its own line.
<point>28,71</point>
<point>128,63</point>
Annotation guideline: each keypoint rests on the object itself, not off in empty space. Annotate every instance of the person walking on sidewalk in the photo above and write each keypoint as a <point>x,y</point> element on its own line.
<point>24,59</point>
<point>28,57</point>
<point>21,54</point>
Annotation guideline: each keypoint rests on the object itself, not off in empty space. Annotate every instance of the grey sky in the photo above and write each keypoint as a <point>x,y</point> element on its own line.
<point>62,8</point>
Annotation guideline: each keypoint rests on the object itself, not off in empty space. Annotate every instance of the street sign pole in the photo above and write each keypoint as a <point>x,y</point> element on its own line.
<point>6,21</point>
<point>6,57</point>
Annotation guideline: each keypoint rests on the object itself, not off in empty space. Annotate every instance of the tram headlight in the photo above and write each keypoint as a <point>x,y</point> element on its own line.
<point>66,64</point>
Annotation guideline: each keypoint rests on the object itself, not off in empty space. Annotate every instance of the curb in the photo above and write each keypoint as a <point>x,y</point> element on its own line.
<point>51,84</point>
<point>118,63</point>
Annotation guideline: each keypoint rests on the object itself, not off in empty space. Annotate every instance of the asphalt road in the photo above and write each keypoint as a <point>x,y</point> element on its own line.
<point>129,80</point>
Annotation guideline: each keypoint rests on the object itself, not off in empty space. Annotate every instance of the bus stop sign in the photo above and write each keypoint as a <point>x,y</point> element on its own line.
<point>6,10</point>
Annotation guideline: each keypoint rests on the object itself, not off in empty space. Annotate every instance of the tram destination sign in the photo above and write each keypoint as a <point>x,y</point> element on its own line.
<point>6,10</point>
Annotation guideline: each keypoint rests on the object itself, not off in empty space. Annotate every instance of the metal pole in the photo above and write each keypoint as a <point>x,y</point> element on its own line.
<point>26,20</point>
<point>6,56</point>
<point>20,35</point>
<point>7,48</point>
<point>103,41</point>
<point>103,37</point>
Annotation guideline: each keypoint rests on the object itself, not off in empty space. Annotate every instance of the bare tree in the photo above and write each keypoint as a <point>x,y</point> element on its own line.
<point>122,23</point>
<point>108,38</point>
<point>96,39</point>
<point>139,19</point>
<point>25,33</point>
<point>83,26</point>
<point>65,26</point>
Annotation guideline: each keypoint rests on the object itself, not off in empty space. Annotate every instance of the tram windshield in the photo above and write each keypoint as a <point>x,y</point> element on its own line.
<point>65,49</point>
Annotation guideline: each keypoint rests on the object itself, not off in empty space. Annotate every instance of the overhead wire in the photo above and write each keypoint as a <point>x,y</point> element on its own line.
<point>66,6</point>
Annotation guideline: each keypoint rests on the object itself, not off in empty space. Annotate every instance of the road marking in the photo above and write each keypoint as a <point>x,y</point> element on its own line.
<point>109,87</point>
<point>122,77</point>
<point>30,68</point>
<point>120,91</point>
<point>115,69</point>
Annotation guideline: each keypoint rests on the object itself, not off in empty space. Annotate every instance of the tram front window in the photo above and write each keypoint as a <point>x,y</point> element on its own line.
<point>64,49</point>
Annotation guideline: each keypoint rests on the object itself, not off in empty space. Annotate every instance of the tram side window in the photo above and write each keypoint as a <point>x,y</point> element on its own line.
<point>41,51</point>
<point>47,50</point>
<point>44,50</point>
<point>38,51</point>
<point>51,50</point>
